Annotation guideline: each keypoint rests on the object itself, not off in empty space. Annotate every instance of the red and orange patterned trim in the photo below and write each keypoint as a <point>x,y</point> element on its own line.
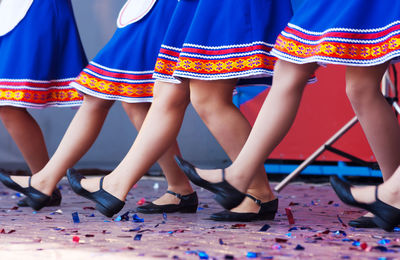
<point>38,94</point>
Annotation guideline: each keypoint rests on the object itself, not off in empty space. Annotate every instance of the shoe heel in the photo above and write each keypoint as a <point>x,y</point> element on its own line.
<point>37,205</point>
<point>227,204</point>
<point>191,209</point>
<point>267,216</point>
<point>105,211</point>
<point>384,224</point>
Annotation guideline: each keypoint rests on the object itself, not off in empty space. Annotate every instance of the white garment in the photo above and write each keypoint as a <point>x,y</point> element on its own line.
<point>133,11</point>
<point>11,13</point>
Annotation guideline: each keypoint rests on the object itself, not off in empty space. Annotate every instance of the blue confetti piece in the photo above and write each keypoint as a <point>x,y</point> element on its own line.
<point>107,221</point>
<point>252,255</point>
<point>135,218</point>
<point>125,216</point>
<point>19,195</point>
<point>341,221</point>
<point>118,219</point>
<point>396,229</point>
<point>293,228</point>
<point>299,247</point>
<point>336,205</point>
<point>34,212</point>
<point>347,240</point>
<point>138,237</point>
<point>91,216</point>
<point>265,228</point>
<point>75,217</point>
<point>356,243</point>
<point>200,208</point>
<point>289,234</point>
<point>164,215</point>
<point>382,258</point>
<point>202,255</point>
<point>384,241</point>
<point>340,232</point>
<point>221,242</point>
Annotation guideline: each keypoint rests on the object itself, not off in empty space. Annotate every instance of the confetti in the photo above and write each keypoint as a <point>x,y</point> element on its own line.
<point>75,217</point>
<point>165,216</point>
<point>341,221</point>
<point>141,201</point>
<point>202,255</point>
<point>75,239</point>
<point>252,255</point>
<point>264,228</point>
<point>138,237</point>
<point>135,218</point>
<point>299,247</point>
<point>289,215</point>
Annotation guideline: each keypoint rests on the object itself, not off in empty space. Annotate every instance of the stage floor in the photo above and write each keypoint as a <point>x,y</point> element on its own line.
<point>317,233</point>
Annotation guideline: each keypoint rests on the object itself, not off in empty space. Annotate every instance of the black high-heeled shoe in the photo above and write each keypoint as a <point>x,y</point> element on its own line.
<point>267,212</point>
<point>385,216</point>
<point>106,203</point>
<point>35,199</point>
<point>55,200</point>
<point>225,194</point>
<point>188,204</point>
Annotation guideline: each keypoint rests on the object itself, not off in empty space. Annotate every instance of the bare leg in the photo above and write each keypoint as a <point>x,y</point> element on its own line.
<point>375,115</point>
<point>158,133</point>
<point>213,102</point>
<point>27,134</point>
<point>273,122</point>
<point>79,137</point>
<point>176,179</point>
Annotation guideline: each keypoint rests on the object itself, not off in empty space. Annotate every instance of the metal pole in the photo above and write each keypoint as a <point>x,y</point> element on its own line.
<point>312,157</point>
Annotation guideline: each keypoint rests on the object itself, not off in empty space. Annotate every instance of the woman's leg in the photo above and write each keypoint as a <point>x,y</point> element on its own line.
<point>176,179</point>
<point>79,137</point>
<point>212,100</point>
<point>273,122</point>
<point>375,115</point>
<point>158,133</point>
<point>27,134</point>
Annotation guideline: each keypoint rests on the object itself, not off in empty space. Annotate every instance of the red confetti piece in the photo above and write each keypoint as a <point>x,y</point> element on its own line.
<point>75,239</point>
<point>364,246</point>
<point>289,215</point>
<point>88,208</point>
<point>141,201</point>
<point>238,226</point>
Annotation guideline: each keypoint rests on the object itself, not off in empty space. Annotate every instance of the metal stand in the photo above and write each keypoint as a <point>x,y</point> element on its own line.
<point>387,88</point>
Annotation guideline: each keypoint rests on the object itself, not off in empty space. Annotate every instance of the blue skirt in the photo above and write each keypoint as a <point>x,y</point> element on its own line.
<point>355,33</point>
<point>40,57</point>
<point>224,39</point>
<point>123,69</point>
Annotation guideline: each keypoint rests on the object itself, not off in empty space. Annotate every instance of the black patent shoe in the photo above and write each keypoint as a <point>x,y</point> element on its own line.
<point>386,216</point>
<point>188,204</point>
<point>225,194</point>
<point>55,200</point>
<point>267,212</point>
<point>34,198</point>
<point>363,222</point>
<point>106,203</point>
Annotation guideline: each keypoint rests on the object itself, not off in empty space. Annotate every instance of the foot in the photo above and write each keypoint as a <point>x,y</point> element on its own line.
<point>250,209</point>
<point>36,183</point>
<point>186,204</point>
<point>382,201</point>
<point>225,194</point>
<point>55,200</point>
<point>106,203</point>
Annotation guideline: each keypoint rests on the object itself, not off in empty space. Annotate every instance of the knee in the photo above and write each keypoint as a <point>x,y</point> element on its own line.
<point>202,104</point>
<point>170,97</point>
<point>97,104</point>
<point>9,113</point>
<point>361,92</point>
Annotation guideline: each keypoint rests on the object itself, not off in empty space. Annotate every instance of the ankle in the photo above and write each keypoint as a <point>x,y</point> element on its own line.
<point>262,194</point>
<point>183,190</point>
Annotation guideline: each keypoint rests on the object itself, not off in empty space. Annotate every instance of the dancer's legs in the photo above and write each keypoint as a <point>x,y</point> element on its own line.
<point>27,134</point>
<point>273,122</point>
<point>176,179</point>
<point>212,100</point>
<point>79,137</point>
<point>158,133</point>
<point>375,115</point>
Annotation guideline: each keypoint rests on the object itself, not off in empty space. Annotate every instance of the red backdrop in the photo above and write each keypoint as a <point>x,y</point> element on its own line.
<point>323,111</point>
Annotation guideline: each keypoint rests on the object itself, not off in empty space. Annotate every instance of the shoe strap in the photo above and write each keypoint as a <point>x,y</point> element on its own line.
<point>29,181</point>
<point>223,174</point>
<point>257,201</point>
<point>101,182</point>
<point>179,196</point>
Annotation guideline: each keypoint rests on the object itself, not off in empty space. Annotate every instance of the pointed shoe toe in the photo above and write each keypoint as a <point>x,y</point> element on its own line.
<point>106,203</point>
